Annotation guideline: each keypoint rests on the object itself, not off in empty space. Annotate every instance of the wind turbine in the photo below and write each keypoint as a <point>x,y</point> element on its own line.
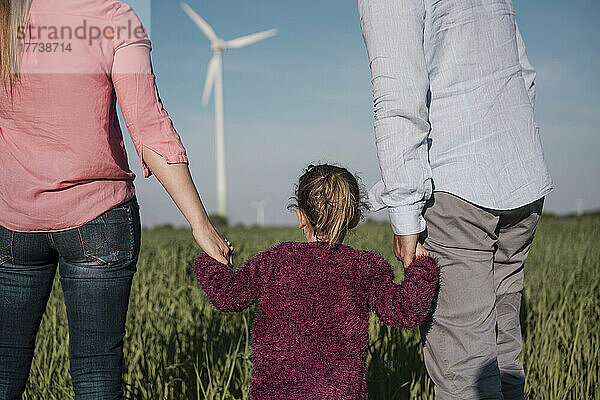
<point>214,79</point>
<point>579,203</point>
<point>260,211</point>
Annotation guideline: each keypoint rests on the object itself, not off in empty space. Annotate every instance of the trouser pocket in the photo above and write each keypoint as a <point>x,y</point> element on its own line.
<point>110,238</point>
<point>6,238</point>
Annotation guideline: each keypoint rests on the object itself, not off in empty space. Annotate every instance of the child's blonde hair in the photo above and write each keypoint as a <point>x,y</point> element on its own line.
<point>331,199</point>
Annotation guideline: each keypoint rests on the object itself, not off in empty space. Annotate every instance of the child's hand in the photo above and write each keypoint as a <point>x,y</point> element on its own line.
<point>420,251</point>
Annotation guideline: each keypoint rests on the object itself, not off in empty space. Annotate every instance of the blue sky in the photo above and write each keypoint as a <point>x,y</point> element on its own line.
<point>305,96</point>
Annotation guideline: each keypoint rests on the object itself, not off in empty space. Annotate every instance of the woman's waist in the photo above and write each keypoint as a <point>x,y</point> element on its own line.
<point>25,208</point>
<point>56,167</point>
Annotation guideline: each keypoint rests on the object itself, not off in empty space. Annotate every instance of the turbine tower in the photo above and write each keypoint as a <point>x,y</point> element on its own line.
<point>214,79</point>
<point>260,211</point>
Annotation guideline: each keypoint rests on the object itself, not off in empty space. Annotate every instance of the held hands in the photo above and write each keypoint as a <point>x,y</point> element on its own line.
<point>407,248</point>
<point>213,244</point>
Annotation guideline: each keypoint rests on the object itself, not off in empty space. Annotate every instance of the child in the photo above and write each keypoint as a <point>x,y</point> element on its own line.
<point>311,328</point>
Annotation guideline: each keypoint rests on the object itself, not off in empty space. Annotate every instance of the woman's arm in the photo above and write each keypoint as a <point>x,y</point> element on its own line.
<point>230,290</point>
<point>157,143</point>
<point>177,181</point>
<point>403,305</point>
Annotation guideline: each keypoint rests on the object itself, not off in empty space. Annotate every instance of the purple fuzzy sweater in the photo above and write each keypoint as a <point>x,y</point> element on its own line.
<point>311,328</point>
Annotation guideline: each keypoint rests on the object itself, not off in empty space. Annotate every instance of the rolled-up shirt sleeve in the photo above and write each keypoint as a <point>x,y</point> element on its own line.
<point>393,34</point>
<point>147,121</point>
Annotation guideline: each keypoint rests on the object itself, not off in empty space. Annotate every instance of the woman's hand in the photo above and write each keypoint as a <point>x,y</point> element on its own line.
<point>213,244</point>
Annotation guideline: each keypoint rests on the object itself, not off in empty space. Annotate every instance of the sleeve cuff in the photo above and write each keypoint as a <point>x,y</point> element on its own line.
<point>406,222</point>
<point>170,158</point>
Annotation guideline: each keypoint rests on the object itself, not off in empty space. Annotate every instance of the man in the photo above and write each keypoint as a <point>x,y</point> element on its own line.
<point>462,166</point>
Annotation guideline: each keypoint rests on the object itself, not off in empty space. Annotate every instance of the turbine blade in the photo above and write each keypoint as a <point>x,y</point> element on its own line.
<point>250,39</point>
<point>202,24</point>
<point>211,74</point>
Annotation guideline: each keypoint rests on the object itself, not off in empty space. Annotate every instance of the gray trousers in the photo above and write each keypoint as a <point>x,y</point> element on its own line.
<point>473,341</point>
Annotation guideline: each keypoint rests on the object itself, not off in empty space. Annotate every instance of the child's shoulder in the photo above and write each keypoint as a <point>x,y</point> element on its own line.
<point>371,257</point>
<point>312,249</point>
<point>301,246</point>
<point>348,252</point>
<point>281,249</point>
<point>284,247</point>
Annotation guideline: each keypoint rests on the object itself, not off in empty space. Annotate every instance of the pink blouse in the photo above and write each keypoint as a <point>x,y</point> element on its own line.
<point>62,159</point>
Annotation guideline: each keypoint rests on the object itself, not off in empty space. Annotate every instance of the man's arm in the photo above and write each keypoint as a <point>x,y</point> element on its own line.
<point>527,69</point>
<point>393,34</point>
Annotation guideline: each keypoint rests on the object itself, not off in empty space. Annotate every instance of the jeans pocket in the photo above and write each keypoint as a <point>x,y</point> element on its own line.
<point>109,238</point>
<point>6,239</point>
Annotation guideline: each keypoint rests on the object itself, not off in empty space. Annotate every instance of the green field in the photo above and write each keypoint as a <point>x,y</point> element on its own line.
<point>178,347</point>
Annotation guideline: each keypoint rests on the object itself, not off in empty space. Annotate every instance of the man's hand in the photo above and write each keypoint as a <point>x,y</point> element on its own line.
<point>407,248</point>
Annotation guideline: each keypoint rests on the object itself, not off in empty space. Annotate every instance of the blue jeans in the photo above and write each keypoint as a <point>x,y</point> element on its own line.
<point>96,262</point>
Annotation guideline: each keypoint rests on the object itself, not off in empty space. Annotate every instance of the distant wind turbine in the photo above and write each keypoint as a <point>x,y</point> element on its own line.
<point>579,205</point>
<point>260,211</point>
<point>214,79</point>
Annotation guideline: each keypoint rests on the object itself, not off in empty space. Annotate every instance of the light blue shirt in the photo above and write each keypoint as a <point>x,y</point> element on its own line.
<point>454,94</point>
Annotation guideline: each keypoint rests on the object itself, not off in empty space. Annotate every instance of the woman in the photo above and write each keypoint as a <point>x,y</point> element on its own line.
<point>66,192</point>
